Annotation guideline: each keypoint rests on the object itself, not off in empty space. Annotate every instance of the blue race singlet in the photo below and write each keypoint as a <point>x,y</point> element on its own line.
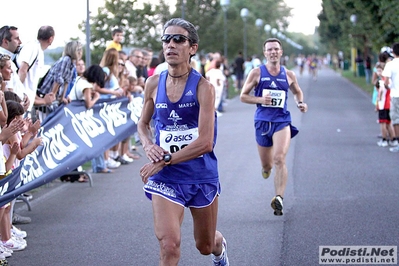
<point>278,87</point>
<point>176,126</point>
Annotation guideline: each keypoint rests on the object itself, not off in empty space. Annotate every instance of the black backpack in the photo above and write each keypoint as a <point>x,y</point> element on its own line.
<point>40,84</point>
<point>16,56</point>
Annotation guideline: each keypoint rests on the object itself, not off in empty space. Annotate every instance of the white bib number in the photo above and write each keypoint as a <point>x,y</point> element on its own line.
<point>278,98</point>
<point>174,141</point>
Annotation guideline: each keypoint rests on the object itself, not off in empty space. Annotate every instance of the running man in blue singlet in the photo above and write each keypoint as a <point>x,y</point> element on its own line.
<point>273,128</point>
<point>183,170</point>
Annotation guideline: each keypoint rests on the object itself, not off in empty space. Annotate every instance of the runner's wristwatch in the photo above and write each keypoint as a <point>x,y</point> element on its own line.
<point>167,158</point>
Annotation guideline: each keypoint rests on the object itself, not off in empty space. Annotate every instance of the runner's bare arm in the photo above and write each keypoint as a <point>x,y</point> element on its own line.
<point>250,83</point>
<point>154,152</point>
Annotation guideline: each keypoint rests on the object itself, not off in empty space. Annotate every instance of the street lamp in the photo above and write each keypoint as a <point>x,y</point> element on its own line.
<point>183,7</point>
<point>259,24</point>
<point>267,29</point>
<point>244,14</point>
<point>353,19</point>
<point>88,54</point>
<point>225,5</point>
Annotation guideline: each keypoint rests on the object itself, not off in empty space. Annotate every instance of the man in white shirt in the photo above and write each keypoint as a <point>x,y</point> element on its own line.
<point>30,61</point>
<point>217,79</point>
<point>9,45</point>
<point>391,73</point>
<point>133,62</point>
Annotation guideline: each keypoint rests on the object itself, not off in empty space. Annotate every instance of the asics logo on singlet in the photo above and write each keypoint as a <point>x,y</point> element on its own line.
<point>177,138</point>
<point>275,94</point>
<point>265,78</point>
<point>161,105</point>
<point>273,85</point>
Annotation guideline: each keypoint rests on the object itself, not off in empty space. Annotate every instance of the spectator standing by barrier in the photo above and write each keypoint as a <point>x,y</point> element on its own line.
<point>273,128</point>
<point>134,61</point>
<point>10,43</point>
<point>248,66</point>
<point>239,71</point>
<point>85,87</point>
<point>30,61</point>
<point>391,74</point>
<point>367,68</point>
<point>27,143</point>
<point>382,107</point>
<point>57,79</point>
<point>163,65</point>
<point>216,77</point>
<point>6,74</point>
<point>110,65</point>
<point>154,63</point>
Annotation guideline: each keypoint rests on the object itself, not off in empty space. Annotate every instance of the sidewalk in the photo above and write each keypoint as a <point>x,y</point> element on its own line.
<point>342,190</point>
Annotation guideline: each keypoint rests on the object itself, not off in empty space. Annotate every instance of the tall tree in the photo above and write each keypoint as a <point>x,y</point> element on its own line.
<point>142,23</point>
<point>375,26</point>
<point>139,21</point>
<point>208,16</point>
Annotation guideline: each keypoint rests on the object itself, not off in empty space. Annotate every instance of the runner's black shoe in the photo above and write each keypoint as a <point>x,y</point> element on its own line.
<point>277,205</point>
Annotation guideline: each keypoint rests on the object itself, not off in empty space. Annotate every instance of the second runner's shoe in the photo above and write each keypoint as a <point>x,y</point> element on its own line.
<point>277,205</point>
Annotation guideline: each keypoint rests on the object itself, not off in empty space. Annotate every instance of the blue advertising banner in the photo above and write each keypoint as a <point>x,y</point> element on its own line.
<point>72,135</point>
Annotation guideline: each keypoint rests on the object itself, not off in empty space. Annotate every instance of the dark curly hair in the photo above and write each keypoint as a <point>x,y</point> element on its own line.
<point>14,109</point>
<point>95,74</point>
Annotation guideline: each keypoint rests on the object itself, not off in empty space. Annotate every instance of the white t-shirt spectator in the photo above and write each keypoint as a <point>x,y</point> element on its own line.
<point>391,71</point>
<point>77,91</point>
<point>217,79</point>
<point>33,55</point>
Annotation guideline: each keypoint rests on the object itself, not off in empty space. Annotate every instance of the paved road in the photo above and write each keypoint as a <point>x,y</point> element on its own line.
<point>342,190</point>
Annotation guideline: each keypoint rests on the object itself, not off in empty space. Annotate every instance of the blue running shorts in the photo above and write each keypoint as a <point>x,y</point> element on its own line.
<point>186,195</point>
<point>264,131</point>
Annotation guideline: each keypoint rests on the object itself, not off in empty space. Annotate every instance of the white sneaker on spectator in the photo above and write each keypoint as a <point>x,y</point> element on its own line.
<point>13,245</point>
<point>127,158</point>
<point>113,154</point>
<point>5,251</point>
<point>393,143</point>
<point>382,143</point>
<point>18,232</point>
<point>394,149</point>
<point>111,163</point>
<point>19,240</point>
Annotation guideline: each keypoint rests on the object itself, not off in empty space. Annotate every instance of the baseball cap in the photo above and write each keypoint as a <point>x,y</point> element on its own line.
<point>387,49</point>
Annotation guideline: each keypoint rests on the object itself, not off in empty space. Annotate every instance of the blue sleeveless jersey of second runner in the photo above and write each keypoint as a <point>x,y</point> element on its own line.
<point>278,87</point>
<point>176,126</point>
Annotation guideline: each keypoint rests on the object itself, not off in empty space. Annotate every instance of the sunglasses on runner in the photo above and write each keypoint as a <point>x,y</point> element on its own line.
<point>177,38</point>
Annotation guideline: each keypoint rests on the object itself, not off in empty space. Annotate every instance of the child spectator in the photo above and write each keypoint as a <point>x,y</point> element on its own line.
<point>117,37</point>
<point>15,149</point>
<point>383,106</point>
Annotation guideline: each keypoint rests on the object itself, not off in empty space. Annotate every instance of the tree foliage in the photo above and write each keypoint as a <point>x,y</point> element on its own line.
<point>375,25</point>
<point>142,23</point>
